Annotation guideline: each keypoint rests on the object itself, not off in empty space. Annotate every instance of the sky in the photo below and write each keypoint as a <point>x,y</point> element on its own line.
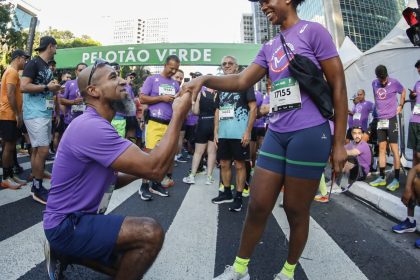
<point>215,21</point>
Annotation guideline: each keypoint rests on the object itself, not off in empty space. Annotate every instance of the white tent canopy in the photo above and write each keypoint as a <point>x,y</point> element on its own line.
<point>349,51</point>
<point>396,52</point>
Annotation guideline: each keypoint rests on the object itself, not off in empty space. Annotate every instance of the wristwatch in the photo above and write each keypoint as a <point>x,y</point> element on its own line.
<point>46,88</point>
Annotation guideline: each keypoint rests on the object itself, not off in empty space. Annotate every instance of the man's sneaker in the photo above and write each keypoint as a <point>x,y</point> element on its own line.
<point>281,276</point>
<point>10,184</point>
<point>210,180</point>
<point>40,194</point>
<point>189,179</point>
<point>405,226</point>
<point>55,267</point>
<point>393,186</point>
<point>236,205</point>
<point>157,188</point>
<point>379,182</point>
<point>167,182</point>
<point>230,274</point>
<point>19,180</point>
<point>144,192</point>
<point>417,244</point>
<point>223,197</point>
<point>245,193</point>
<point>321,198</point>
<point>181,158</point>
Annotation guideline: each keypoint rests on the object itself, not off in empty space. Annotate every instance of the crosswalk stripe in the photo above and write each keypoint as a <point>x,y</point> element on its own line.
<point>322,258</point>
<point>190,251</point>
<point>24,250</point>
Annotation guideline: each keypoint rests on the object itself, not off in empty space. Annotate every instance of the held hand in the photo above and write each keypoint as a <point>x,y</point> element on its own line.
<point>54,86</point>
<point>339,157</point>
<point>264,109</point>
<point>78,101</point>
<point>167,98</point>
<point>182,104</point>
<point>245,139</point>
<point>194,86</point>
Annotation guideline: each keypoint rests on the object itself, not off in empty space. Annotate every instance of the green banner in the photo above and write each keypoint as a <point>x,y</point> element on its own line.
<point>155,54</point>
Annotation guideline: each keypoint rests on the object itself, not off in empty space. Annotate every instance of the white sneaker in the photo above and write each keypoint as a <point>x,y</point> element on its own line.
<point>281,276</point>
<point>209,180</point>
<point>189,180</point>
<point>230,274</point>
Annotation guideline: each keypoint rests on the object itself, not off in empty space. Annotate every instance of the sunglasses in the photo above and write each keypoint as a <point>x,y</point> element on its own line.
<point>227,63</point>
<point>98,63</point>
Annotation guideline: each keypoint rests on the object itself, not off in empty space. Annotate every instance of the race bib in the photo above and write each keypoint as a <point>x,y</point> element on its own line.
<point>285,95</point>
<point>105,200</point>
<point>49,104</point>
<point>227,112</point>
<point>78,108</point>
<point>357,116</point>
<point>165,89</point>
<point>416,110</point>
<point>383,124</point>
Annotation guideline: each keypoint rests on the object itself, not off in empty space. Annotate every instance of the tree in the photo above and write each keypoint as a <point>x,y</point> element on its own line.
<point>66,39</point>
<point>11,35</point>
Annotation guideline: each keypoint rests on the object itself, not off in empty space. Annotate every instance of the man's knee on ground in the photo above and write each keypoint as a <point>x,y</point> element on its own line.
<point>142,230</point>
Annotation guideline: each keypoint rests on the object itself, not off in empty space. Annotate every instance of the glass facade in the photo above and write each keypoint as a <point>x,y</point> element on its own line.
<point>23,18</point>
<point>263,30</point>
<point>365,22</point>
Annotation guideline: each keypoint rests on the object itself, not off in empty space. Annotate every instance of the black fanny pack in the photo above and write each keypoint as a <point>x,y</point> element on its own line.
<point>311,79</point>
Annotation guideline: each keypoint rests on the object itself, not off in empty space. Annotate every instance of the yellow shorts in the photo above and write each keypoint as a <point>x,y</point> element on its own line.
<point>154,133</point>
<point>119,126</point>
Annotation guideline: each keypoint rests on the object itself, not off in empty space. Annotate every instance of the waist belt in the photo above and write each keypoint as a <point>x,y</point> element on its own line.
<point>159,120</point>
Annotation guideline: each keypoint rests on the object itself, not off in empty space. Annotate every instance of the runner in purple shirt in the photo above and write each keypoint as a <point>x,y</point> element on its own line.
<point>361,150</point>
<point>158,92</point>
<point>258,131</point>
<point>411,193</point>
<point>101,161</point>
<point>385,90</point>
<point>298,142</point>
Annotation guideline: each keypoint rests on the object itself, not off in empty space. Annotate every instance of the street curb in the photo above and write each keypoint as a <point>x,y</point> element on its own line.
<point>384,201</point>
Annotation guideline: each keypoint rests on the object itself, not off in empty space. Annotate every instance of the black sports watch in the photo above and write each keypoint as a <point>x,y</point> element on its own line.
<point>46,88</point>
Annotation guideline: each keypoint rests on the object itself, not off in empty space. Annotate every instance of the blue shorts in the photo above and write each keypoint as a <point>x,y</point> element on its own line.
<point>86,236</point>
<point>303,153</point>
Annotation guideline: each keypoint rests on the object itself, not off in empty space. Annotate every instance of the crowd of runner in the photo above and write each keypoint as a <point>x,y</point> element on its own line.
<point>104,135</point>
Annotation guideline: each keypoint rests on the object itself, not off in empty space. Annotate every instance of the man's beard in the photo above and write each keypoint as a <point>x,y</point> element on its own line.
<point>357,141</point>
<point>124,106</point>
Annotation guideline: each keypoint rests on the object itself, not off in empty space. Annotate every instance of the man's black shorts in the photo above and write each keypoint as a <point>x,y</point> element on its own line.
<point>60,128</point>
<point>8,130</point>
<point>390,134</point>
<point>257,132</point>
<point>232,149</point>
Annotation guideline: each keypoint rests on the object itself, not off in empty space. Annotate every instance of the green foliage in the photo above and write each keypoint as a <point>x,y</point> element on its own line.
<point>66,39</point>
<point>11,35</point>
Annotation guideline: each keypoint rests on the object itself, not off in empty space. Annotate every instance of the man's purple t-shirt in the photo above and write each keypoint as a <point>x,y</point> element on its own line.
<point>311,40</point>
<point>365,155</point>
<point>259,100</point>
<point>416,112</point>
<point>71,92</point>
<point>386,97</point>
<point>156,85</point>
<point>81,173</point>
<point>361,113</point>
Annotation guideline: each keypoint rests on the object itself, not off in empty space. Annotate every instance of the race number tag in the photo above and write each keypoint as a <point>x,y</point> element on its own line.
<point>105,200</point>
<point>383,124</point>
<point>227,112</point>
<point>165,89</point>
<point>49,103</point>
<point>285,95</point>
<point>357,116</point>
<point>78,108</point>
<point>416,110</point>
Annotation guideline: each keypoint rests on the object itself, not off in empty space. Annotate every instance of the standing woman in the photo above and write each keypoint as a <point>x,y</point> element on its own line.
<point>298,141</point>
<point>204,107</point>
